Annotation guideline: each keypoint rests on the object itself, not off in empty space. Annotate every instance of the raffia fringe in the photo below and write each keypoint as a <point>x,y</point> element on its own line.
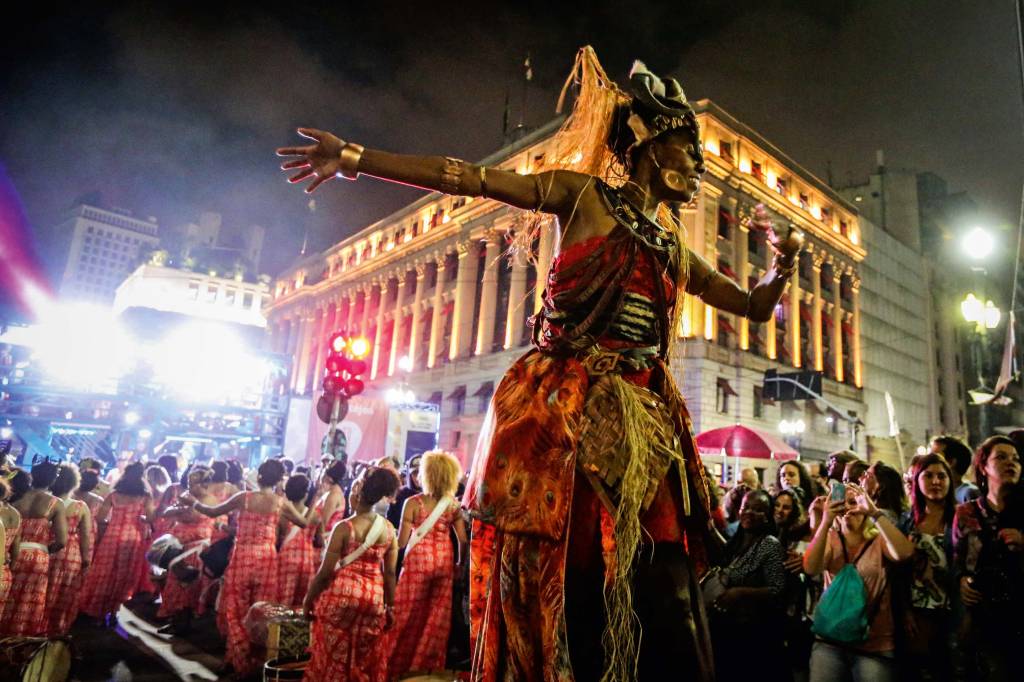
<point>621,638</point>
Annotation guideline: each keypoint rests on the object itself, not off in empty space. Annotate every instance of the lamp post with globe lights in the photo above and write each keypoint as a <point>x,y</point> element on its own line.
<point>978,244</point>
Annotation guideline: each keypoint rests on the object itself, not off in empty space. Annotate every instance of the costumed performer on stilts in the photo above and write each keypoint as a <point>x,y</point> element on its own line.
<point>592,521</point>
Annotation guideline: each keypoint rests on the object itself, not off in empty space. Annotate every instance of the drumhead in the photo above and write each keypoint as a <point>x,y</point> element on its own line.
<point>50,662</point>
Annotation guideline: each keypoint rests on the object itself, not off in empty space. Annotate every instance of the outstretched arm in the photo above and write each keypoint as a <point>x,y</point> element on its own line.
<point>329,157</point>
<point>758,303</point>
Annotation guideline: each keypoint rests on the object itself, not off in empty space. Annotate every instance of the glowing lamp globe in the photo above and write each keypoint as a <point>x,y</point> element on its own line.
<point>359,347</point>
<point>338,343</point>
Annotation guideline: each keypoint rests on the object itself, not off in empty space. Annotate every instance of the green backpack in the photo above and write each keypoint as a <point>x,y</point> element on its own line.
<point>842,613</point>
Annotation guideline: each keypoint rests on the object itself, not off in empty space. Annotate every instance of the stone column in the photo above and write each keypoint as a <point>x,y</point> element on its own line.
<point>794,318</point>
<point>364,321</point>
<point>516,301</point>
<point>544,250</point>
<point>436,330</point>
<point>326,329</point>
<point>465,295</point>
<point>378,335</point>
<point>742,268</point>
<point>855,299</point>
<point>818,304</point>
<point>488,296</point>
<point>417,312</point>
<point>837,324</point>
<point>770,341</point>
<point>396,328</point>
<point>302,359</point>
<point>350,314</point>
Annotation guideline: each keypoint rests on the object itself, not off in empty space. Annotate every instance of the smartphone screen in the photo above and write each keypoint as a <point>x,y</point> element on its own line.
<point>838,492</point>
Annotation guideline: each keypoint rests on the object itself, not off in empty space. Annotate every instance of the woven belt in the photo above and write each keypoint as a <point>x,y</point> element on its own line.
<point>599,361</point>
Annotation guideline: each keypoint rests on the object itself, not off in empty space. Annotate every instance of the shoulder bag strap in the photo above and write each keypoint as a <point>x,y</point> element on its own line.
<point>443,505</point>
<point>369,541</point>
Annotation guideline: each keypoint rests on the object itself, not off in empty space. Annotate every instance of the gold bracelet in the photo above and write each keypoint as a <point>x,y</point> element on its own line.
<point>351,153</point>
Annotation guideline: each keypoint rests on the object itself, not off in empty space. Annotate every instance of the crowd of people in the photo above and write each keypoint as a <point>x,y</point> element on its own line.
<point>854,571</point>
<point>217,539</point>
<point>846,570</point>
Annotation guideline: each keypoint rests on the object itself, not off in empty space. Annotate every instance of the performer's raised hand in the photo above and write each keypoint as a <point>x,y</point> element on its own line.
<point>789,245</point>
<point>321,161</point>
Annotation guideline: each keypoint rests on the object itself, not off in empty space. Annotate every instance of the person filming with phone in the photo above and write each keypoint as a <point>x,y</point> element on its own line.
<point>853,546</point>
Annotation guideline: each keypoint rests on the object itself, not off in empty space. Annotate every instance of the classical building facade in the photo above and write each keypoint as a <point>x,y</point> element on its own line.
<point>433,285</point>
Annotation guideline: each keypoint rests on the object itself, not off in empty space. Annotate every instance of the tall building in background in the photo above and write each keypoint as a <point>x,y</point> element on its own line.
<point>431,288</point>
<point>105,246</point>
<point>915,213</point>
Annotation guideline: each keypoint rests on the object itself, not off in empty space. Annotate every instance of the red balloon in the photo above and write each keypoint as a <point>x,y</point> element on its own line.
<point>356,367</point>
<point>336,363</point>
<point>353,387</point>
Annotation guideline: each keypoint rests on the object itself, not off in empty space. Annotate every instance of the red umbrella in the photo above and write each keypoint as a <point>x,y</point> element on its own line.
<point>742,441</point>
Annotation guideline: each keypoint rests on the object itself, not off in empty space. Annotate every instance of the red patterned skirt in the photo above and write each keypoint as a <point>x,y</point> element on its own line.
<point>24,613</point>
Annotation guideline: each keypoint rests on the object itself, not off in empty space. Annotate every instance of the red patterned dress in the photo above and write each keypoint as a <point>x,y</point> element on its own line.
<point>349,620</point>
<point>251,577</point>
<point>423,600</point>
<point>65,584</point>
<point>5,570</point>
<point>24,612</point>
<point>194,534</point>
<point>118,558</point>
<point>296,566</point>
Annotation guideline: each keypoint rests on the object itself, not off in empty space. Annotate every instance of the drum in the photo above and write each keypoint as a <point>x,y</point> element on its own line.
<point>35,659</point>
<point>280,669</point>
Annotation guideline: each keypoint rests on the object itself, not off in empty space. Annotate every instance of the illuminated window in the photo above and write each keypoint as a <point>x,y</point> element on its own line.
<point>726,151</point>
<point>756,171</point>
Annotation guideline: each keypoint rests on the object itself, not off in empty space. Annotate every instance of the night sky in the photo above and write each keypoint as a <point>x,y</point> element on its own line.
<point>168,112</point>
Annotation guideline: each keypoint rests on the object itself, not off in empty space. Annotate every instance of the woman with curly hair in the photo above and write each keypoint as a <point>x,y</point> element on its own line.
<point>44,532</point>
<point>352,596</point>
<point>251,575</point>
<point>424,597</point>
<point>297,557</point>
<point>180,597</point>
<point>120,557</point>
<point>69,565</point>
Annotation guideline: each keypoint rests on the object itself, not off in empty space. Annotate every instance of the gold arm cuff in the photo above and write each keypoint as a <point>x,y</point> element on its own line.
<point>351,153</point>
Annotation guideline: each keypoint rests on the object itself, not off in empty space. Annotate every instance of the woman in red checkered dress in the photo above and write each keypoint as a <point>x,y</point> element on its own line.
<point>43,531</point>
<point>178,600</point>
<point>10,531</point>
<point>331,504</point>
<point>423,602</point>
<point>123,521</point>
<point>351,606</point>
<point>68,566</point>
<point>251,575</point>
<point>296,562</point>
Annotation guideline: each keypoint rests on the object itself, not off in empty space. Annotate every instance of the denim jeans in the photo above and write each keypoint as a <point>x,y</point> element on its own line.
<point>830,663</point>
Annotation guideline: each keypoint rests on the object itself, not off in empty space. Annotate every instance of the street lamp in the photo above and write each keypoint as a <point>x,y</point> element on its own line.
<point>792,428</point>
<point>985,315</point>
<point>978,243</point>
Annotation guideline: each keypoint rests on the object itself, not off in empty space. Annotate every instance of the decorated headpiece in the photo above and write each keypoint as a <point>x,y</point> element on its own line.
<point>658,106</point>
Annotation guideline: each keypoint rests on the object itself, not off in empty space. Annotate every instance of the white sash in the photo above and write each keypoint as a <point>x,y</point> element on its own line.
<point>291,535</point>
<point>33,545</point>
<point>200,546</point>
<point>443,505</point>
<point>372,535</point>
